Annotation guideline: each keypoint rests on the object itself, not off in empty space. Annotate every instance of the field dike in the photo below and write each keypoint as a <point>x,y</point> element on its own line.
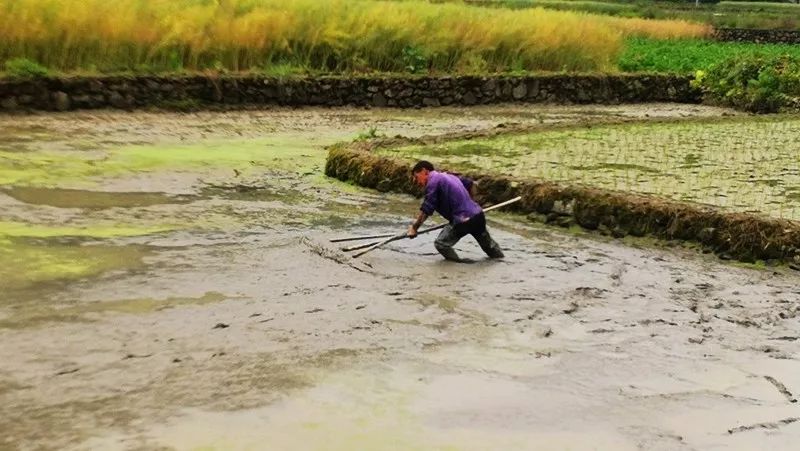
<point>741,236</point>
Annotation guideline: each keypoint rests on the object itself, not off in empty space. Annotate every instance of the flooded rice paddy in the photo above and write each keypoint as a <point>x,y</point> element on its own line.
<point>166,283</point>
<point>741,164</point>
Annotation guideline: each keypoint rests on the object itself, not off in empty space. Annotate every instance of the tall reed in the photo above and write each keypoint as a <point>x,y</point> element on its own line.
<point>321,35</point>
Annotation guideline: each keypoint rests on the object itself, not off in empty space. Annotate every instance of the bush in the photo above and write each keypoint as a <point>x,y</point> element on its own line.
<point>25,68</point>
<point>757,83</point>
<point>414,60</point>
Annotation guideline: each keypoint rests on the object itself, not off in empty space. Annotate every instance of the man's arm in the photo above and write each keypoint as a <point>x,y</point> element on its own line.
<point>426,209</point>
<point>412,229</point>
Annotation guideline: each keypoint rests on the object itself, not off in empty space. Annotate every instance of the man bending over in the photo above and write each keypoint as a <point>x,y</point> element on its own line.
<point>449,195</point>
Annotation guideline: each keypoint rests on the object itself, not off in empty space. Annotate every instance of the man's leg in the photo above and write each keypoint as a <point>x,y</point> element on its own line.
<point>488,245</point>
<point>448,238</point>
<point>481,235</point>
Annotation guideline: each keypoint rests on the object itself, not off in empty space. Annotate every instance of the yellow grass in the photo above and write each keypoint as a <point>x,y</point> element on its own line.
<point>332,35</point>
<point>659,29</point>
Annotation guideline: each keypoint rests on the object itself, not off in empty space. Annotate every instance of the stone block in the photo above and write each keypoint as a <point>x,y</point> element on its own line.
<point>9,103</point>
<point>61,101</point>
<point>520,91</point>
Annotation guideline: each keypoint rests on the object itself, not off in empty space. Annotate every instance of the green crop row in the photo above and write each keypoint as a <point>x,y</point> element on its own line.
<point>690,55</point>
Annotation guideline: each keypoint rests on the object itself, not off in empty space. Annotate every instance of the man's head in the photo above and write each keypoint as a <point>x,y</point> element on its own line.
<point>420,172</point>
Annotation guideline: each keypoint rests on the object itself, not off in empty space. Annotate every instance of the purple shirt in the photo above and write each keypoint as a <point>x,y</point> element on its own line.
<point>448,195</point>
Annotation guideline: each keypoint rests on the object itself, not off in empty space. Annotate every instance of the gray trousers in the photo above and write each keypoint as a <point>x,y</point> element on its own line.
<point>475,226</point>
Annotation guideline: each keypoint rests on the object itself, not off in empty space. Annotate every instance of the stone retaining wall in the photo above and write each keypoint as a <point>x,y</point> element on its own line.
<point>759,36</point>
<point>191,92</point>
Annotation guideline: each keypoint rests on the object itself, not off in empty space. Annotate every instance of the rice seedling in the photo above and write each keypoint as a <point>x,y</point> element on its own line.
<point>736,164</point>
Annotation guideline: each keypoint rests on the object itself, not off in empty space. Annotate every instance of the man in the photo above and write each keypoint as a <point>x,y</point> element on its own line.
<point>450,197</point>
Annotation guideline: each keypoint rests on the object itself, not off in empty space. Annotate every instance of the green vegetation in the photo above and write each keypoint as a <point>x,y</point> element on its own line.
<point>284,39</point>
<point>740,164</point>
<point>689,55</point>
<point>24,68</point>
<point>370,133</point>
<point>283,70</point>
<point>759,83</point>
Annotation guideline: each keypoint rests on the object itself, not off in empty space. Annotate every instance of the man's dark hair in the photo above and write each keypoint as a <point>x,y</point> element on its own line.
<point>422,164</point>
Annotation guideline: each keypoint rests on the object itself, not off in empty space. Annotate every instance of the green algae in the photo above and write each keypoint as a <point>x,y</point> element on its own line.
<point>46,168</point>
<point>740,164</point>
<point>24,264</point>
<point>27,230</point>
<point>32,254</point>
<point>275,153</point>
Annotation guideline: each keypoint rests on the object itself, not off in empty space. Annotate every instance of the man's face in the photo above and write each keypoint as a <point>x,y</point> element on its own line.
<point>421,177</point>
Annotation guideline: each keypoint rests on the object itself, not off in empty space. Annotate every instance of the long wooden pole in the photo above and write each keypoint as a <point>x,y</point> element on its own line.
<point>362,246</point>
<point>372,246</point>
<point>372,237</point>
<point>356,238</point>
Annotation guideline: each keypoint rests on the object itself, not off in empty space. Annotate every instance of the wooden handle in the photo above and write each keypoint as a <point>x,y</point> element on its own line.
<point>373,246</point>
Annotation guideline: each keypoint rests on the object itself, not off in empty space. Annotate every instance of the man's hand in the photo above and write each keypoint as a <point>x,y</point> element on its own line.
<point>412,229</point>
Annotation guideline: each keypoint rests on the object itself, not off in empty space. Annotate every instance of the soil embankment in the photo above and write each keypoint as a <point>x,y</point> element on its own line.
<point>757,35</point>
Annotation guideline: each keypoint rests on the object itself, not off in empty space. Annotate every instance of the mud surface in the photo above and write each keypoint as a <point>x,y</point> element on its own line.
<point>200,305</point>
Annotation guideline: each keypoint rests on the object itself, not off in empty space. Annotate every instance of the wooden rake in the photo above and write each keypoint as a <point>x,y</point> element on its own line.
<point>390,237</point>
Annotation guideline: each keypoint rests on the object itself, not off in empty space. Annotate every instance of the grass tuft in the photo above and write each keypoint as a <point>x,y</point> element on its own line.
<point>25,68</point>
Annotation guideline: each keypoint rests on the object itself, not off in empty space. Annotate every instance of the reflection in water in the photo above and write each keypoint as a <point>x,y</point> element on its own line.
<point>456,398</point>
<point>76,198</point>
<point>50,265</point>
<point>34,313</point>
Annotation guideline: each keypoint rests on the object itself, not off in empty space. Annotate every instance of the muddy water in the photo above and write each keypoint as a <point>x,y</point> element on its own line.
<point>167,284</point>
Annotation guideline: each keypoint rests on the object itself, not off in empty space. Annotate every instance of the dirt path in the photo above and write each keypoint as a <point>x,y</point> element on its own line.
<point>222,318</point>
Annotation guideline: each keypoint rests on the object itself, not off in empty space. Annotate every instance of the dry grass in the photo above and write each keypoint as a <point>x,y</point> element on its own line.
<point>659,29</point>
<point>333,35</point>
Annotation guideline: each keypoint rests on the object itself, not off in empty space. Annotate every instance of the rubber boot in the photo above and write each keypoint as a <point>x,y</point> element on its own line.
<point>447,252</point>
